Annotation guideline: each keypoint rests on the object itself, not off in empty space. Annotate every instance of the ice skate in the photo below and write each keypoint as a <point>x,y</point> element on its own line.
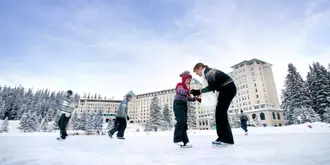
<point>220,144</point>
<point>179,143</point>
<point>183,145</point>
<point>246,133</point>
<point>121,138</point>
<point>110,135</point>
<point>60,138</point>
<point>187,145</point>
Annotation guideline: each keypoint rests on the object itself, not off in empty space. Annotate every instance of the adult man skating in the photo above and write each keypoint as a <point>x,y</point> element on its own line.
<point>122,115</point>
<point>66,111</point>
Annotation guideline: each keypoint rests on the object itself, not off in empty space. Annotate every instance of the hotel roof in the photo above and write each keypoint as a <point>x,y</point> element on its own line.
<point>250,61</point>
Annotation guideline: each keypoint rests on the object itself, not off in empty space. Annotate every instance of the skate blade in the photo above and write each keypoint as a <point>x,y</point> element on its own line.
<point>183,146</point>
<point>188,146</point>
<point>220,145</point>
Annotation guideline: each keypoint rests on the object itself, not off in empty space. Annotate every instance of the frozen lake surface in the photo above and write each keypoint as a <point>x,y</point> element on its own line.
<point>270,149</point>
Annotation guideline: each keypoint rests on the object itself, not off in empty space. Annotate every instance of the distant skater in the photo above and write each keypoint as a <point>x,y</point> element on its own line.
<point>221,82</point>
<point>180,108</point>
<point>121,117</point>
<point>244,118</point>
<point>66,111</point>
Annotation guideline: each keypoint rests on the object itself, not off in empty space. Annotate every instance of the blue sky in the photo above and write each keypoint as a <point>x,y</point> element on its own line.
<point>112,46</point>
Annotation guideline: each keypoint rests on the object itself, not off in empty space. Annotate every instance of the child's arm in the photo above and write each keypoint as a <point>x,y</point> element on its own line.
<point>181,90</point>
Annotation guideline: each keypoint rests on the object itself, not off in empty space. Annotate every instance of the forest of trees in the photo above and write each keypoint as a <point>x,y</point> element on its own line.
<point>307,100</point>
<point>39,110</point>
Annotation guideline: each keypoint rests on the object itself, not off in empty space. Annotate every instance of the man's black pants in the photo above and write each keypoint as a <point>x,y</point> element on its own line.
<point>62,123</point>
<point>120,126</point>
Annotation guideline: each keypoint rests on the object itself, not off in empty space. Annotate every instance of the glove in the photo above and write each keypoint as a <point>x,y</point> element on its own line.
<point>199,99</point>
<point>127,118</point>
<point>195,92</point>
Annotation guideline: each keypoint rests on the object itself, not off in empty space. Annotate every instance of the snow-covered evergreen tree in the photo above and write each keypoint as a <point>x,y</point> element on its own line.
<point>236,123</point>
<point>318,83</point>
<point>24,122</point>
<point>29,122</point>
<point>44,126</point>
<point>295,96</point>
<point>90,122</point>
<point>99,119</point>
<point>191,115</point>
<point>52,112</point>
<point>55,121</point>
<point>2,108</point>
<point>74,121</point>
<point>34,122</point>
<point>155,116</point>
<point>167,117</point>
<point>83,120</point>
<point>326,115</point>
<point>148,127</point>
<point>329,70</point>
<point>26,104</point>
<point>4,127</point>
<point>307,114</point>
<point>18,95</point>
<point>8,95</point>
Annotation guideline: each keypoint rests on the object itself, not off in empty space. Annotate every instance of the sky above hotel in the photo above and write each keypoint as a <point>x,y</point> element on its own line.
<point>112,46</point>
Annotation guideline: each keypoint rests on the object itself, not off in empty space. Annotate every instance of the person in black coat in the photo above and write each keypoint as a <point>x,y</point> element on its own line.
<point>221,82</point>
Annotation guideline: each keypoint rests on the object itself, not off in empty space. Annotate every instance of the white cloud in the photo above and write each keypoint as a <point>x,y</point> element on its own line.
<point>99,48</point>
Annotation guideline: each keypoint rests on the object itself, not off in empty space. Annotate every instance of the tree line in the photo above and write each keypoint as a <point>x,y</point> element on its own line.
<point>39,110</point>
<point>306,100</point>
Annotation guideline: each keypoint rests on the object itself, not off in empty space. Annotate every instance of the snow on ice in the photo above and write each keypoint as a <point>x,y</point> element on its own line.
<point>298,144</point>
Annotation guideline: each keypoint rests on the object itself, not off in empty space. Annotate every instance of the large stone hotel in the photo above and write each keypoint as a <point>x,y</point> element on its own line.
<point>256,96</point>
